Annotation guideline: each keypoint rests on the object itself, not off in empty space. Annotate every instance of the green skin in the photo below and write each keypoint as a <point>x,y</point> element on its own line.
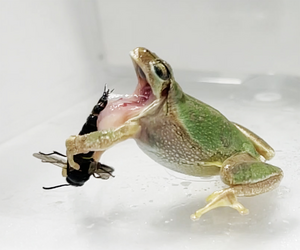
<point>187,136</point>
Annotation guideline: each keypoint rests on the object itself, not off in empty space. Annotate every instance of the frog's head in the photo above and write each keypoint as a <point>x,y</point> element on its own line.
<point>154,74</point>
<point>155,79</point>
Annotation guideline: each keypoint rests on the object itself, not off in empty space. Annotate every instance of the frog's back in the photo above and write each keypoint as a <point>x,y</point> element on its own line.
<point>211,130</point>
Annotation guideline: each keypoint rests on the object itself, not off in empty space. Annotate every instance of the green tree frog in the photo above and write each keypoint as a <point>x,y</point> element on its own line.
<point>182,134</point>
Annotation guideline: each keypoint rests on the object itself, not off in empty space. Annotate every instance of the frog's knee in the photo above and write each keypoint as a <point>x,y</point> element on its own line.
<point>262,147</point>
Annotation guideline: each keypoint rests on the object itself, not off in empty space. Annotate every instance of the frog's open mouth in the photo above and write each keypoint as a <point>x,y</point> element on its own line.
<point>143,91</point>
<point>117,112</point>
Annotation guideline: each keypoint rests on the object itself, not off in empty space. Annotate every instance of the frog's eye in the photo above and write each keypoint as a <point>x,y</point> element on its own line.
<point>161,71</point>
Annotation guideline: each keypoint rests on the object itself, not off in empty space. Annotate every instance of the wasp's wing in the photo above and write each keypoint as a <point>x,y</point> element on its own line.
<point>52,158</point>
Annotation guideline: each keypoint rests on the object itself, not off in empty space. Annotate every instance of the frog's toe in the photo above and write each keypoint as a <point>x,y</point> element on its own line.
<point>73,149</point>
<point>213,195</point>
<point>194,217</point>
<point>222,198</point>
<point>71,161</point>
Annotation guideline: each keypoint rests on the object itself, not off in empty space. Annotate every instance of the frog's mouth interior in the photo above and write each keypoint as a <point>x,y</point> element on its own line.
<point>119,110</point>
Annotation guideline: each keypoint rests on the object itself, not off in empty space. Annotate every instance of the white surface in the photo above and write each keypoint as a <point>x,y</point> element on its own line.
<point>50,78</point>
<point>144,207</point>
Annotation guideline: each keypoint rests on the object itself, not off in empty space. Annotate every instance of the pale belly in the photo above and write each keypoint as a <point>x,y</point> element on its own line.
<point>168,144</point>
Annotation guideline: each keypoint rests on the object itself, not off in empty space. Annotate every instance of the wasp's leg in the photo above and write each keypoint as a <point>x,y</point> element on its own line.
<point>98,140</point>
<point>261,146</point>
<point>246,177</point>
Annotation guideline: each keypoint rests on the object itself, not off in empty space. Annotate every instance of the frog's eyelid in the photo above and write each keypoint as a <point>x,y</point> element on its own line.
<point>167,65</point>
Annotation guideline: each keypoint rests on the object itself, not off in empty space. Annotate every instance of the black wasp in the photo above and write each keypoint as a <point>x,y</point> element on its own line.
<point>88,166</point>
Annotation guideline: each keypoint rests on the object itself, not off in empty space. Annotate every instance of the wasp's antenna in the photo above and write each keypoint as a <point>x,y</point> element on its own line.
<point>58,186</point>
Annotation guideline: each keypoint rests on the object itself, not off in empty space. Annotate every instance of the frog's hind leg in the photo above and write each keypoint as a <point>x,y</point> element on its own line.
<point>261,146</point>
<point>246,177</point>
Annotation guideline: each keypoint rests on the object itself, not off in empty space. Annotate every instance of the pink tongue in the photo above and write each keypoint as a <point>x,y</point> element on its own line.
<point>117,112</point>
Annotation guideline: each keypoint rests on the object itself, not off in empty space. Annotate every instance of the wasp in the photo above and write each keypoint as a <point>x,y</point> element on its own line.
<point>88,165</point>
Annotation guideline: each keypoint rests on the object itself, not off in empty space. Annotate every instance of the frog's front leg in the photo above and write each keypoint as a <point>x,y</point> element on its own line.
<point>98,140</point>
<point>246,177</point>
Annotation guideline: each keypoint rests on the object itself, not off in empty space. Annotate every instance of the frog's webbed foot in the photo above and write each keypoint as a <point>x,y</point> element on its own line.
<point>98,140</point>
<point>222,198</point>
<point>246,177</point>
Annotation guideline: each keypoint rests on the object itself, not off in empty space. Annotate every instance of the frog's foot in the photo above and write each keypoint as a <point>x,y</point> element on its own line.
<point>222,198</point>
<point>246,177</point>
<point>98,140</point>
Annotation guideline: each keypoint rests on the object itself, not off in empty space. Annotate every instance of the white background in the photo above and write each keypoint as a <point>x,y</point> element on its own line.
<point>252,36</point>
<point>55,57</point>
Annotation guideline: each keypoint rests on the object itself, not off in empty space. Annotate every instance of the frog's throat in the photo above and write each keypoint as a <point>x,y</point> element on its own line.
<point>117,112</point>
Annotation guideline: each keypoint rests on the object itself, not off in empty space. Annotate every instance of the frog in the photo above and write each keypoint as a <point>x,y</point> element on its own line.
<point>183,134</point>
